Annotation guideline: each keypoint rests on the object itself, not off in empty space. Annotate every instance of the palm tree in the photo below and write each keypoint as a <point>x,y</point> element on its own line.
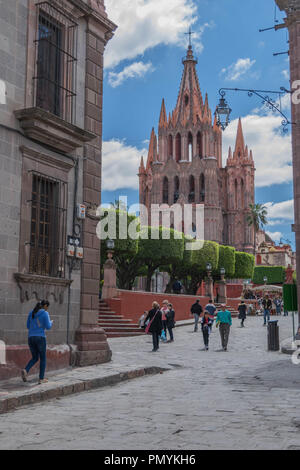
<point>257,218</point>
<point>119,205</point>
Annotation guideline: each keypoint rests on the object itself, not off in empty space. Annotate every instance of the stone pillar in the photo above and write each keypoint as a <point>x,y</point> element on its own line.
<point>292,22</point>
<point>222,290</point>
<point>209,286</point>
<point>109,290</point>
<point>91,340</point>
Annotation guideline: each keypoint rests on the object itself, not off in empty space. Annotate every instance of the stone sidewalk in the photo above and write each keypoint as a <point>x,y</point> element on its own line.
<point>246,398</point>
<point>15,393</point>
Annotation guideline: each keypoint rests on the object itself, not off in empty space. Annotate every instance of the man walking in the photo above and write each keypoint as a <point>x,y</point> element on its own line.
<point>267,306</point>
<point>224,322</point>
<point>196,310</point>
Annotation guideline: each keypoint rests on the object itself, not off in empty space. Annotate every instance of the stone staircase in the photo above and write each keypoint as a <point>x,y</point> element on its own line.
<point>234,313</point>
<point>116,326</point>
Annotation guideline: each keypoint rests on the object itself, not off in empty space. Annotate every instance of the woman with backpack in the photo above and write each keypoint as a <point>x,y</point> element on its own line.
<point>154,325</point>
<point>38,321</point>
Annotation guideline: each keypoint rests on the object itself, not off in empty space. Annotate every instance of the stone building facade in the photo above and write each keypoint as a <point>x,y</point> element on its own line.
<point>184,166</point>
<point>51,82</point>
<point>292,23</point>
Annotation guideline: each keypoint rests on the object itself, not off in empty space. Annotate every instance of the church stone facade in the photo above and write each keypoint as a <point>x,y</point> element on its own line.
<point>184,166</point>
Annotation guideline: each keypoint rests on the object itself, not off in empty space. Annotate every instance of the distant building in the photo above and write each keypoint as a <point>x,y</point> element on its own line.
<point>184,166</point>
<point>270,254</point>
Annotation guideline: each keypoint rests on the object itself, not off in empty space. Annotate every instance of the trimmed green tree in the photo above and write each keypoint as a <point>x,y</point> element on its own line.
<point>157,247</point>
<point>244,265</point>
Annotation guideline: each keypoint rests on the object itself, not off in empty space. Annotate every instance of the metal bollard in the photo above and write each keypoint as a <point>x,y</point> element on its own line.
<point>273,336</point>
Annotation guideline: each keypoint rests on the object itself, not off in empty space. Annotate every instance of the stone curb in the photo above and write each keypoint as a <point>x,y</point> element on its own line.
<point>12,403</point>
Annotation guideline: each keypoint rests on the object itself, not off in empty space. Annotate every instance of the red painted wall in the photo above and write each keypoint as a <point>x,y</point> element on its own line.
<point>132,304</point>
<point>234,291</point>
<point>58,357</point>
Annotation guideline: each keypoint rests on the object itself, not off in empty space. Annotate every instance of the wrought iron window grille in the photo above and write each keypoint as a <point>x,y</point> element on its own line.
<point>55,79</point>
<point>48,226</point>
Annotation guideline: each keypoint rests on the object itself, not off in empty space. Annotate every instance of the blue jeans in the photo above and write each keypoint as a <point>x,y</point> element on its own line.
<point>37,345</point>
<point>196,316</point>
<point>266,315</point>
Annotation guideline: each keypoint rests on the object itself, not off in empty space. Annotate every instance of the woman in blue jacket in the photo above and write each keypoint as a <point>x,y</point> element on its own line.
<point>38,321</point>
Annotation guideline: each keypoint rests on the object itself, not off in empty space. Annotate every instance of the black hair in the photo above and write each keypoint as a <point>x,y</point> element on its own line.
<point>38,307</point>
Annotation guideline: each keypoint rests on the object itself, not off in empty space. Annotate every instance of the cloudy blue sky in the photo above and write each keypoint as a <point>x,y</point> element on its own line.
<point>143,65</point>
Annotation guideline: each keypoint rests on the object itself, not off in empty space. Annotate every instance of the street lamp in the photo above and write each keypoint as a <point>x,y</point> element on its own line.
<point>110,244</point>
<point>222,271</point>
<point>265,280</point>
<point>223,112</point>
<point>208,267</point>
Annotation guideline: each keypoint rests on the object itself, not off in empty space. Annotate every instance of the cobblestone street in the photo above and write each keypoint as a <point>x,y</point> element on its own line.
<point>247,398</point>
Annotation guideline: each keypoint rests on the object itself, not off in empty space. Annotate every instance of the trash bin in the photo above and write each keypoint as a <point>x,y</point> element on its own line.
<point>273,335</point>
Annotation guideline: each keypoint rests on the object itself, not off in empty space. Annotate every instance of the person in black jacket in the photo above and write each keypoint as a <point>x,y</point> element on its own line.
<point>196,310</point>
<point>170,322</point>
<point>242,308</point>
<point>267,305</point>
<point>155,318</point>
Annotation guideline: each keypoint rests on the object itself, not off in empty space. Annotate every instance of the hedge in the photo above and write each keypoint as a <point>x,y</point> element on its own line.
<point>164,250</point>
<point>209,253</point>
<point>275,274</point>
<point>244,265</point>
<point>227,260</point>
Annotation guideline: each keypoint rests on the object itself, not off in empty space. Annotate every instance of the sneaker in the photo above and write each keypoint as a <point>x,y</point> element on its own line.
<point>206,348</point>
<point>43,381</point>
<point>24,375</point>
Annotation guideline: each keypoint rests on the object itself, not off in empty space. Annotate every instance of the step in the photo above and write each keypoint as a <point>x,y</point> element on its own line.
<point>117,325</point>
<point>113,318</point>
<point>109,329</point>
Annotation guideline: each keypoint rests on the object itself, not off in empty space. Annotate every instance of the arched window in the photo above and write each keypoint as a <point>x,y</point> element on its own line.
<point>190,147</point>
<point>199,145</point>
<point>192,189</point>
<point>166,191</point>
<point>202,188</point>
<point>176,189</point>
<point>178,148</point>
<point>170,146</point>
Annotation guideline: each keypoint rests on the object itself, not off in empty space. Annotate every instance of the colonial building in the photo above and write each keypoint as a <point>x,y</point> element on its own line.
<point>51,75</point>
<point>184,166</point>
<point>270,254</point>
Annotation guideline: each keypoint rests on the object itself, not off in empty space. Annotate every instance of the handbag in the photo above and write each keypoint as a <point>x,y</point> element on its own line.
<point>150,323</point>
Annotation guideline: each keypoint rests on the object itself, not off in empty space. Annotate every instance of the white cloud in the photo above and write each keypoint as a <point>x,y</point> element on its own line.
<point>276,236</point>
<point>272,151</point>
<point>284,210</point>
<point>286,74</point>
<point>143,24</point>
<point>120,165</point>
<point>237,71</point>
<point>135,70</point>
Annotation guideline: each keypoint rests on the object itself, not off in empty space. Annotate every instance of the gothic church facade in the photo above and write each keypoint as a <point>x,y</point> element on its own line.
<point>184,166</point>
